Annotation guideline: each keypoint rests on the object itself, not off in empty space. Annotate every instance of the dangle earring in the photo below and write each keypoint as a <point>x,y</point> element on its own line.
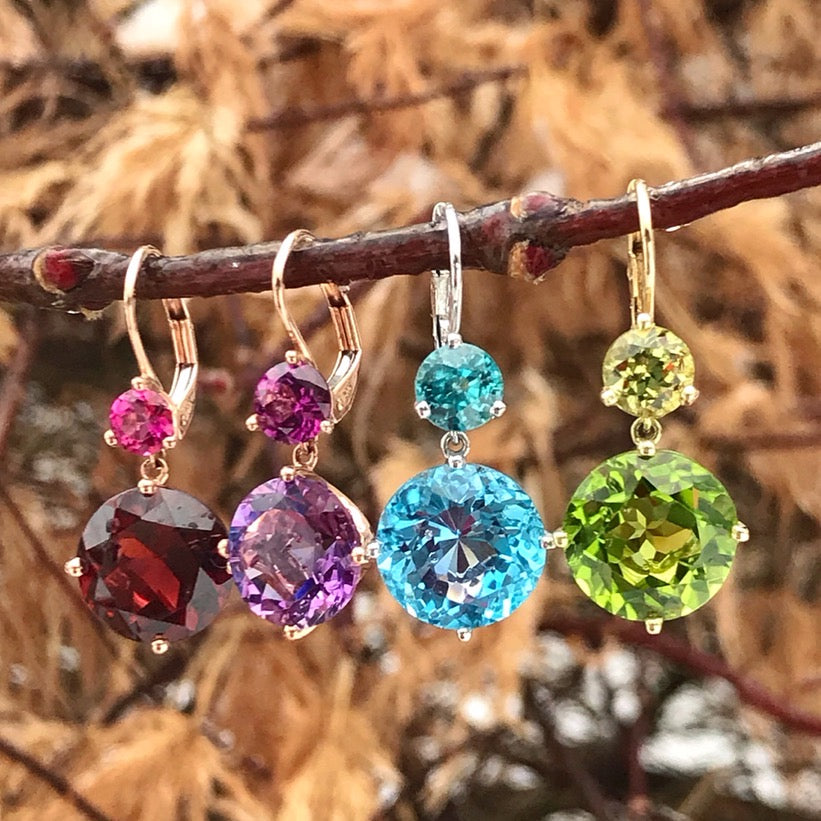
<point>296,544</point>
<point>460,545</point>
<point>149,561</point>
<point>649,535</point>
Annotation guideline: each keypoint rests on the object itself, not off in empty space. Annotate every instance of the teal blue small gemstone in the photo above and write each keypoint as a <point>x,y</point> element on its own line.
<point>460,546</point>
<point>460,386</point>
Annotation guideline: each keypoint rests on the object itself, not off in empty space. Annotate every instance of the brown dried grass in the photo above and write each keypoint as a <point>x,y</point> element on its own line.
<point>314,729</point>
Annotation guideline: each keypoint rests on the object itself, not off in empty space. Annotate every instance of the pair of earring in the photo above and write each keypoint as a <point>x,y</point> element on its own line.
<point>155,564</point>
<point>649,535</point>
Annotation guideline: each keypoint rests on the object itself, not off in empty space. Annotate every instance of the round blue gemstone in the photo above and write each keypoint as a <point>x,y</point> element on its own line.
<point>460,547</point>
<point>460,386</point>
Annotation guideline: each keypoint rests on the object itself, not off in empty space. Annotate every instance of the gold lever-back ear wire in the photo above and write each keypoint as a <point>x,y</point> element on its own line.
<point>641,268</point>
<point>345,374</point>
<point>184,385</point>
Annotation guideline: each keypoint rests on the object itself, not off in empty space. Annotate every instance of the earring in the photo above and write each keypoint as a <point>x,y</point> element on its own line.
<point>296,544</point>
<point>460,545</point>
<point>149,562</point>
<point>649,535</point>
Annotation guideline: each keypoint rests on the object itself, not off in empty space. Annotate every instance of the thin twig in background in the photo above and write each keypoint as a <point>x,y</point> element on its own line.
<point>294,117</point>
<point>691,658</point>
<point>56,572</point>
<point>54,780</point>
<point>568,759</point>
<point>662,56</point>
<point>523,237</point>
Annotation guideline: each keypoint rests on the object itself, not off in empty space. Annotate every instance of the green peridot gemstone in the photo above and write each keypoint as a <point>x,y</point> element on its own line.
<point>647,369</point>
<point>650,537</point>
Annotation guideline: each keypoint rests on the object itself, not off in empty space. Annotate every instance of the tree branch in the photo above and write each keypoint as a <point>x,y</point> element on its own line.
<point>691,658</point>
<point>523,237</point>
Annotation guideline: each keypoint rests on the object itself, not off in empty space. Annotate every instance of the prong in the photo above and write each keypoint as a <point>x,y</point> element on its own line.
<point>138,383</point>
<point>252,423</point>
<point>498,408</point>
<point>453,340</point>
<point>169,442</point>
<point>741,533</point>
<point>644,321</point>
<point>147,487</point>
<point>422,409</point>
<point>646,448</point>
<point>560,539</point>
<point>653,626</point>
<point>359,555</point>
<point>287,473</point>
<point>548,542</point>
<point>222,548</point>
<point>372,549</point>
<point>159,645</point>
<point>609,397</point>
<point>689,394</point>
<point>110,439</point>
<point>291,357</point>
<point>74,567</point>
<point>294,633</point>
<point>464,634</point>
<point>327,426</point>
<point>456,460</point>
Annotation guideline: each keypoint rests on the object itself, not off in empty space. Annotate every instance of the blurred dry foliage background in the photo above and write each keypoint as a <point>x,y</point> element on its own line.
<point>124,122</point>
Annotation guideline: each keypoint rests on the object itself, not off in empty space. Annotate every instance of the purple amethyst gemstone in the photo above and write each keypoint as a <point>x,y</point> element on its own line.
<point>290,552</point>
<point>291,401</point>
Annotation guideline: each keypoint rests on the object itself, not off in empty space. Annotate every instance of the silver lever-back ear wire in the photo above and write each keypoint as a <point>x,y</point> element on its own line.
<point>446,285</point>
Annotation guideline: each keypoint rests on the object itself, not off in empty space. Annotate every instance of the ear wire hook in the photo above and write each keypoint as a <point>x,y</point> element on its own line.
<point>641,250</point>
<point>345,374</point>
<point>446,286</point>
<point>182,394</point>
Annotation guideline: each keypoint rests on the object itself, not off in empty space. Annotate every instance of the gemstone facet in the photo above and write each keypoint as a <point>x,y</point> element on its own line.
<point>150,565</point>
<point>290,548</point>
<point>291,402</point>
<point>460,547</point>
<point>460,385</point>
<point>650,537</point>
<point>647,369</point>
<point>141,419</point>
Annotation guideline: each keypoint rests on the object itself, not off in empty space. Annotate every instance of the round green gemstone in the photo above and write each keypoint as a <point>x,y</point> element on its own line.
<point>647,369</point>
<point>650,537</point>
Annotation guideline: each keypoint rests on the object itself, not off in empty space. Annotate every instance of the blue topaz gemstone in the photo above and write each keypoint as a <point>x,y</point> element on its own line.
<point>460,386</point>
<point>460,547</point>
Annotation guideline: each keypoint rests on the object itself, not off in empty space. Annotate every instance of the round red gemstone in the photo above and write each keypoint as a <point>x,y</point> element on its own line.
<point>141,420</point>
<point>291,402</point>
<point>151,565</point>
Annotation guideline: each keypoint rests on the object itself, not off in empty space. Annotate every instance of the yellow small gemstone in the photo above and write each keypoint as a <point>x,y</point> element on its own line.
<point>647,369</point>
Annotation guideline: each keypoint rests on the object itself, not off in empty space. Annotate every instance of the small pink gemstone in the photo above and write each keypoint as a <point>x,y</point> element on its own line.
<point>141,420</point>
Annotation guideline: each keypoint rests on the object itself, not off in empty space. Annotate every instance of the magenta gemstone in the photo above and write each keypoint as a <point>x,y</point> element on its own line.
<point>291,401</point>
<point>151,564</point>
<point>141,419</point>
<point>290,552</point>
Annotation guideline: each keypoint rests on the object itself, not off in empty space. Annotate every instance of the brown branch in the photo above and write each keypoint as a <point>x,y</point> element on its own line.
<point>523,237</point>
<point>293,117</point>
<point>685,655</point>
<point>56,781</point>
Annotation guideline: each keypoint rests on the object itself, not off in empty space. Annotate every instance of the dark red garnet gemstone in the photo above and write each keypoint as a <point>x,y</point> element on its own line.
<point>151,565</point>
